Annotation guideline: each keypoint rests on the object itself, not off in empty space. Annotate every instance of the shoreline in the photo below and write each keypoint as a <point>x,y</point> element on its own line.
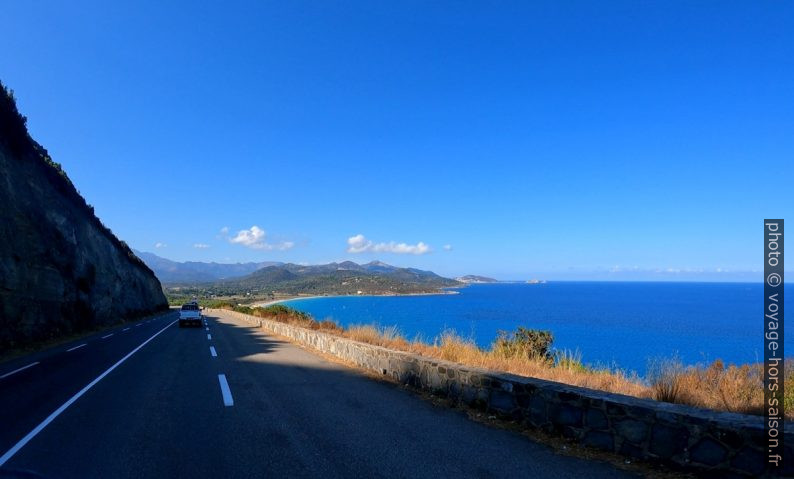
<point>298,298</point>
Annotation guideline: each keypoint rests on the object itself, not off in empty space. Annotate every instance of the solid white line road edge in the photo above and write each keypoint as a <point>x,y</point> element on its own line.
<point>225,391</point>
<point>213,352</point>
<point>10,453</point>
<point>18,370</point>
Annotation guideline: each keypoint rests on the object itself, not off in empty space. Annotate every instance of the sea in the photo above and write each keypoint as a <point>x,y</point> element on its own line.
<point>620,325</point>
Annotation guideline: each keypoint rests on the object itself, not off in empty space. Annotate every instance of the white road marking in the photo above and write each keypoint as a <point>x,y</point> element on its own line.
<point>212,351</point>
<point>125,329</point>
<point>209,336</point>
<point>139,324</point>
<point>18,370</point>
<point>207,329</point>
<point>76,347</point>
<point>107,336</point>
<point>225,391</point>
<point>10,453</point>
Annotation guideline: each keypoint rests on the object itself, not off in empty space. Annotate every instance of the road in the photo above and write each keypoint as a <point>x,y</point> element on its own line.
<point>226,400</point>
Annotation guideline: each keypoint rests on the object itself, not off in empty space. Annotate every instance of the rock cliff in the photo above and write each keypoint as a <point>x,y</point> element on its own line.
<point>61,270</point>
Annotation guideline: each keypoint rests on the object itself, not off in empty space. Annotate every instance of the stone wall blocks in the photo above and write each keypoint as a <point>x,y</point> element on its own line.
<point>709,452</point>
<point>596,419</point>
<point>633,430</point>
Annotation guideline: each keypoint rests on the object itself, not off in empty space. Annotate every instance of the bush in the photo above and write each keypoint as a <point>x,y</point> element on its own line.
<point>569,360</point>
<point>524,343</point>
<point>665,375</point>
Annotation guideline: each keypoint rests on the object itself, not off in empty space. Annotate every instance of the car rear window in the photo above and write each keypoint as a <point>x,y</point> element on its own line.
<point>189,307</point>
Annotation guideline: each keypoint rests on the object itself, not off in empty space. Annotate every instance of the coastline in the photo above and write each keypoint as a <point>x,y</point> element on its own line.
<point>297,298</point>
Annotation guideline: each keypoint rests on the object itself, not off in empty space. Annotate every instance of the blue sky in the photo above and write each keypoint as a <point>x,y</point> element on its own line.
<point>584,140</point>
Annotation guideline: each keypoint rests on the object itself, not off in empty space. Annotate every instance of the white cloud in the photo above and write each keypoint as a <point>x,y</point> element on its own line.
<point>159,245</point>
<point>360,244</point>
<point>201,245</point>
<point>254,238</point>
<point>447,247</point>
<point>225,230</point>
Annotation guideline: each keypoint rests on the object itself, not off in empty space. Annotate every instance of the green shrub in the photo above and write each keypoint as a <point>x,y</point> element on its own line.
<point>525,343</point>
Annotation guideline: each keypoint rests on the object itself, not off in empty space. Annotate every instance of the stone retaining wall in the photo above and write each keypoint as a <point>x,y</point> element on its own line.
<point>720,443</point>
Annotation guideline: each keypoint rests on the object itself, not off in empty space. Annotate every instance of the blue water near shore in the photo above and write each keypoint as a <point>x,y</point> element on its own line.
<point>614,324</point>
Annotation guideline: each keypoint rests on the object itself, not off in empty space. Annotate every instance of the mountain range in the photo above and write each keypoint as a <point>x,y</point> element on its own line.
<point>169,271</point>
<point>343,278</point>
<point>347,277</point>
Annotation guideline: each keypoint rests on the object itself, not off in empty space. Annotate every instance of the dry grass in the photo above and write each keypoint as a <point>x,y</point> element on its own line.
<point>719,387</point>
<point>727,388</point>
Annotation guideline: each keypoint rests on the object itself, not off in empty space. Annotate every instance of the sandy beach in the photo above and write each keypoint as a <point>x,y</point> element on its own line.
<point>295,298</point>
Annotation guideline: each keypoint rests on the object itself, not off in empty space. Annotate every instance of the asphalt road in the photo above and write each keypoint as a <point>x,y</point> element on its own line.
<point>229,401</point>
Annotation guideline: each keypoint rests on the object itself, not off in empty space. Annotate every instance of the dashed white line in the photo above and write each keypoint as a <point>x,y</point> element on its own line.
<point>213,352</point>
<point>207,328</point>
<point>125,329</point>
<point>209,336</point>
<point>76,347</point>
<point>18,370</point>
<point>139,324</point>
<point>107,336</point>
<point>19,445</point>
<point>225,391</point>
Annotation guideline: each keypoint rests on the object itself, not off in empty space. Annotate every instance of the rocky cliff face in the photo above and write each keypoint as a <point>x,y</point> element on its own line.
<point>61,269</point>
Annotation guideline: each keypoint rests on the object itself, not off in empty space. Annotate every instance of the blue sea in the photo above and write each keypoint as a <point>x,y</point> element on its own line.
<point>615,324</point>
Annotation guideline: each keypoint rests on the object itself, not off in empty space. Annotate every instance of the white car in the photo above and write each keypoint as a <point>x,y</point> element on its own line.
<point>190,314</point>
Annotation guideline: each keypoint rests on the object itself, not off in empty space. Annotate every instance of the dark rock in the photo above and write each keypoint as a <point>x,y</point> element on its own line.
<point>537,410</point>
<point>523,400</point>
<point>631,450</point>
<point>571,432</point>
<point>731,438</point>
<point>570,397</point>
<point>667,441</point>
<point>596,419</point>
<point>640,412</point>
<point>502,401</point>
<point>468,395</point>
<point>600,440</point>
<point>615,410</point>
<point>565,415</point>
<point>632,429</point>
<point>750,461</point>
<point>708,452</point>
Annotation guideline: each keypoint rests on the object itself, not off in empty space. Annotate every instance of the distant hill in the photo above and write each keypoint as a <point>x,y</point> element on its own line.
<point>195,271</point>
<point>333,279</point>
<point>472,278</point>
